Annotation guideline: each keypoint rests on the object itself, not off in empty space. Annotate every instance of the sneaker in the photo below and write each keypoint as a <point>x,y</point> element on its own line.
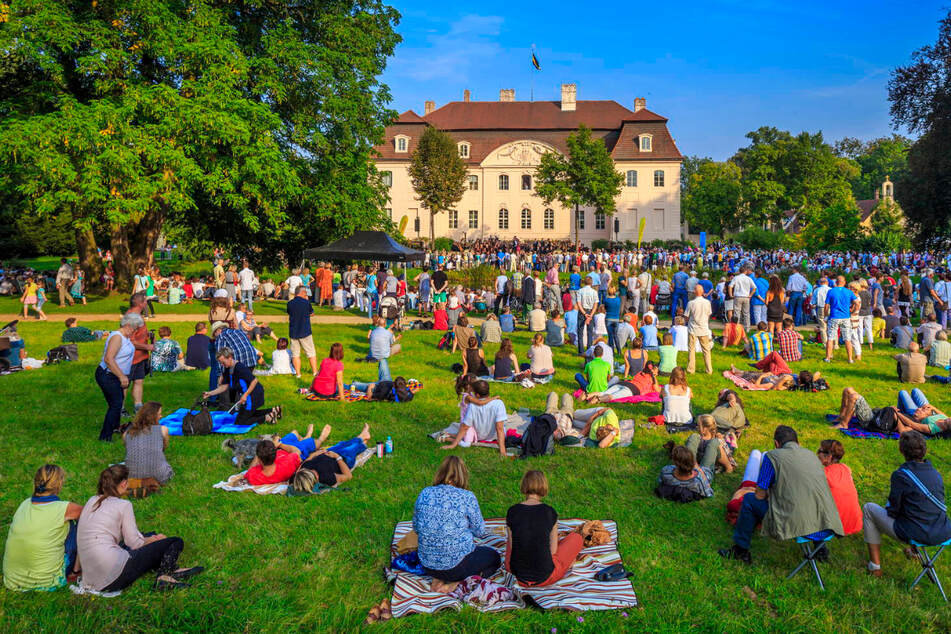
<point>737,553</point>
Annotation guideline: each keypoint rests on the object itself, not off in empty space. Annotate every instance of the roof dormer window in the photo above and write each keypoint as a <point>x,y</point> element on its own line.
<point>645,142</point>
<point>402,143</point>
<point>464,150</point>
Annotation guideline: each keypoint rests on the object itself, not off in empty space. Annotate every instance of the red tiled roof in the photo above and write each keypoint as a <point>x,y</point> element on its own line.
<point>410,117</point>
<point>628,147</point>
<point>866,207</point>
<point>527,115</point>
<point>645,115</point>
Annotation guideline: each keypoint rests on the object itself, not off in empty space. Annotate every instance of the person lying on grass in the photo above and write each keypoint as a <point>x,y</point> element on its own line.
<point>40,552</point>
<point>641,384</point>
<point>331,466</point>
<point>395,390</point>
<point>303,446</point>
<point>483,417</point>
<point>914,412</point>
<point>533,552</point>
<point>447,519</point>
<point>777,382</point>
<point>272,465</point>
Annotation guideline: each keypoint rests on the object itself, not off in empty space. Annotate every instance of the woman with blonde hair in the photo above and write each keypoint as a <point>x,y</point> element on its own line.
<point>145,444</point>
<point>707,446</point>
<point>447,519</point>
<point>41,544</point>
<point>539,354</point>
<point>533,552</point>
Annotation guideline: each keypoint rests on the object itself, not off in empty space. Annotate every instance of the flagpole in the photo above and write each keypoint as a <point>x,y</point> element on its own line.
<point>534,70</point>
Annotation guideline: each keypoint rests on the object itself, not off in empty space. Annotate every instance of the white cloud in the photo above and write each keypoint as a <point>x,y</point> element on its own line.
<point>450,53</point>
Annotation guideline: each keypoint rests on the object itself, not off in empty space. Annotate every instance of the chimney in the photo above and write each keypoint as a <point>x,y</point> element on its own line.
<point>639,104</point>
<point>465,95</point>
<point>876,194</point>
<point>507,94</point>
<point>428,107</point>
<point>568,94</point>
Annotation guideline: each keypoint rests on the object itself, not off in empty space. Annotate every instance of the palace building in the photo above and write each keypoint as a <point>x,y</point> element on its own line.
<point>502,143</point>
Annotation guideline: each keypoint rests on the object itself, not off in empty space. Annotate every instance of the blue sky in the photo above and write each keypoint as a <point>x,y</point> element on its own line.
<point>716,69</point>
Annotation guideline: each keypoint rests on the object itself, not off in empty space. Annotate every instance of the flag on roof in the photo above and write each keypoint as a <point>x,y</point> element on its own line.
<point>535,62</point>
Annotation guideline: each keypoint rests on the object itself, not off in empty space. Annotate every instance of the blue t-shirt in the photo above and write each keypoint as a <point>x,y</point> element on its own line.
<point>595,279</point>
<point>840,301</point>
<point>762,286</point>
<point>507,322</point>
<point>707,286</point>
<point>299,311</point>
<point>680,281</point>
<point>574,281</point>
<point>571,320</point>
<point>649,335</point>
<point>612,308</point>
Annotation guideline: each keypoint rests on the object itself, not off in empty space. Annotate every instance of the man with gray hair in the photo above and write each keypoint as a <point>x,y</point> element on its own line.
<point>743,289</point>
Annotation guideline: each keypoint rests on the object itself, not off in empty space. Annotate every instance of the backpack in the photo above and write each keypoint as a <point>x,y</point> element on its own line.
<point>197,423</point>
<point>445,342</point>
<point>66,352</point>
<point>539,437</point>
<point>884,421</point>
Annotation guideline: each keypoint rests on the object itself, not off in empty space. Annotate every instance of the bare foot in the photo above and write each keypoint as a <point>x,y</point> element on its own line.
<point>365,434</point>
<point>310,431</point>
<point>449,446</point>
<point>324,433</point>
<point>442,586</point>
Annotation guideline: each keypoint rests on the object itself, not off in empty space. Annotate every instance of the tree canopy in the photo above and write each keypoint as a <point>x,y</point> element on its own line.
<point>438,174</point>
<point>713,197</point>
<point>249,123</point>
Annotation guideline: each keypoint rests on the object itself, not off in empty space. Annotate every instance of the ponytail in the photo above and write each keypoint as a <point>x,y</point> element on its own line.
<point>109,481</point>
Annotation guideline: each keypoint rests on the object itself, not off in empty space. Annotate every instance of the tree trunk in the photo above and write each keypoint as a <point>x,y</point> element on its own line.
<point>576,227</point>
<point>89,260</point>
<point>133,245</point>
<point>432,228</point>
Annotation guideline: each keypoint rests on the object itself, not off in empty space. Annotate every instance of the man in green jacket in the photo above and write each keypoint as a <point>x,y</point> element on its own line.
<point>792,498</point>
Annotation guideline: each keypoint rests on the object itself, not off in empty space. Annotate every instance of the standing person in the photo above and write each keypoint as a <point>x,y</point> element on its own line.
<point>423,280</point>
<point>300,333</point>
<point>797,286</point>
<point>219,273</point>
<point>743,288</point>
<point>840,302</point>
<point>246,283</point>
<point>819,302</point>
<point>679,294</point>
<point>112,373</point>
<point>63,278</point>
<point>612,316</point>
<point>440,285</point>
<point>587,305</point>
<point>29,298</point>
<point>140,360</point>
<point>926,294</point>
<point>758,301</point>
<point>231,282</point>
<point>776,305</point>
<point>237,378</point>
<point>383,345</point>
<point>698,329</point>
<point>77,288</point>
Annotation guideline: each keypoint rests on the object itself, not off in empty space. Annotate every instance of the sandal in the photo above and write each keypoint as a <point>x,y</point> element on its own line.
<point>373,616</point>
<point>385,612</point>
<point>186,573</point>
<point>161,585</point>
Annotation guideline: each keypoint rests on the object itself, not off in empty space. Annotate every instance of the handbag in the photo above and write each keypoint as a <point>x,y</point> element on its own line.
<point>197,423</point>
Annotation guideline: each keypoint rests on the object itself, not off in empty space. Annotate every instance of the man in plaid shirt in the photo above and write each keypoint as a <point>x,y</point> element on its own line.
<point>788,342</point>
<point>240,345</point>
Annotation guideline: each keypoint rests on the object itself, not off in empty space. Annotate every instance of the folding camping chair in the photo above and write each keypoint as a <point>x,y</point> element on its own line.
<point>811,546</point>
<point>927,563</point>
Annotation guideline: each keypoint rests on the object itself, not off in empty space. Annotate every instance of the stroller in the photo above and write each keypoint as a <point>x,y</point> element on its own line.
<point>392,308</point>
<point>549,301</point>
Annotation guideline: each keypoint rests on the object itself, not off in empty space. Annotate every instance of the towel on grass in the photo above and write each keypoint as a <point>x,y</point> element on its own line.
<point>650,397</point>
<point>855,429</point>
<point>517,423</point>
<point>742,383</point>
<point>352,396</point>
<point>577,590</point>
<point>542,380</point>
<point>221,423</point>
<point>238,483</point>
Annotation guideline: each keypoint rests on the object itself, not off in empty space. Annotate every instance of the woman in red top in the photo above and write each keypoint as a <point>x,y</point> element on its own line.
<point>840,481</point>
<point>440,317</point>
<point>329,380</point>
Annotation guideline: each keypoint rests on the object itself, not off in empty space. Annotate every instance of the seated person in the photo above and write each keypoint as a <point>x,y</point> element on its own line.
<point>602,428</point>
<point>878,325</point>
<point>253,329</point>
<point>789,342</point>
<point>594,379</point>
<point>668,355</point>
<point>341,298</point>
<point>462,334</point>
<point>684,480</point>
<point>678,334</point>
<point>839,477</point>
<point>15,354</point>
<point>146,442</point>
<point>760,343</point>
<point>677,395</point>
<point>395,390</point>
<point>281,358</point>
<point>607,352</point>
<point>733,333</point>
<point>473,359</point>
<point>625,331</point>
<point>648,333</point>
<point>915,509</point>
<point>536,319</point>
<point>506,364</point>
<point>903,335</point>
<point>491,331</point>
<point>939,355</point>
<point>555,330</point>
<point>440,317</point>
<point>167,355</point>
<point>506,320</point>
<point>728,412</point>
<point>484,418</point>
<point>271,465</point>
<point>533,552</point>
<point>911,365</point>
<point>635,358</point>
<point>927,330</point>
<point>540,357</point>
<point>78,334</point>
<point>197,348</point>
<point>328,382</point>
<point>792,498</point>
<point>707,445</point>
<point>332,466</point>
<point>41,543</point>
<point>447,519</point>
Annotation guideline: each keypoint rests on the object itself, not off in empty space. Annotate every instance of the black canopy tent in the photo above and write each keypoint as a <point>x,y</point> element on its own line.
<point>365,245</point>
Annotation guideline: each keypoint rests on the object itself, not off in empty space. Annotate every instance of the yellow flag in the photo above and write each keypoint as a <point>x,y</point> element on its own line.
<point>640,232</point>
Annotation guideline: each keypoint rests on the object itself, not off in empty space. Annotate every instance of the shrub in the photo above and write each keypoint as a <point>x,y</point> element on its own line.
<point>600,243</point>
<point>474,277</point>
<point>442,244</point>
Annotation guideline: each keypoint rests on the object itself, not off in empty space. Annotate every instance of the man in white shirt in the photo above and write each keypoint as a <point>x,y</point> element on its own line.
<point>797,287</point>
<point>587,303</point>
<point>246,282</point>
<point>487,420</point>
<point>698,329</point>
<point>645,279</point>
<point>292,283</point>
<point>743,289</point>
<point>340,298</point>
<point>537,319</point>
<point>819,302</point>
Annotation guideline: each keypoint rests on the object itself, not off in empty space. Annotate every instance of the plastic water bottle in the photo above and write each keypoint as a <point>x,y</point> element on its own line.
<point>389,445</point>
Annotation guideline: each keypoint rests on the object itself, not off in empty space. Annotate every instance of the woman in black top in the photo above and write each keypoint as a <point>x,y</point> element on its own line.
<point>473,359</point>
<point>332,466</point>
<point>775,305</point>
<point>533,552</point>
<point>238,378</point>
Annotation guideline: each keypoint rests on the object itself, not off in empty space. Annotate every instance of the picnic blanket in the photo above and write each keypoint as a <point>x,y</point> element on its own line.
<point>650,397</point>
<point>542,380</point>
<point>238,483</point>
<point>352,396</point>
<point>855,429</point>
<point>577,590</point>
<point>517,424</point>
<point>740,382</point>
<point>221,423</point>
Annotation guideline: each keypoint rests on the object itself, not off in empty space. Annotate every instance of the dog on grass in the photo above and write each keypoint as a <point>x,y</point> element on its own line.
<point>242,450</point>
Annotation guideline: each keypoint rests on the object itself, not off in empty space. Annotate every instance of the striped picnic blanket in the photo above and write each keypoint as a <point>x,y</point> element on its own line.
<point>650,397</point>
<point>221,423</point>
<point>855,429</point>
<point>238,483</point>
<point>577,590</point>
<point>742,383</point>
<point>352,396</point>
<point>517,425</point>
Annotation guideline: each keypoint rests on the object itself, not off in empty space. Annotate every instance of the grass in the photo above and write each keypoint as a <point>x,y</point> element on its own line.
<point>315,563</point>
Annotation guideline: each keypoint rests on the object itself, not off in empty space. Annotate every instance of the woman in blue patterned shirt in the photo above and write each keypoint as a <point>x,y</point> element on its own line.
<point>447,519</point>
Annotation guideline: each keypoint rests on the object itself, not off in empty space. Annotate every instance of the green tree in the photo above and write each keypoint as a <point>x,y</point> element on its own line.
<point>247,123</point>
<point>882,158</point>
<point>713,198</point>
<point>833,228</point>
<point>920,95</point>
<point>585,177</point>
<point>438,174</point>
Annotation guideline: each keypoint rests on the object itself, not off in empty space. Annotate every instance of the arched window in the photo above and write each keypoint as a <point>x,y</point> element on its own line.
<point>632,178</point>
<point>599,220</point>
<point>658,178</point>
<point>387,178</point>
<point>503,181</point>
<point>503,218</point>
<point>526,182</point>
<point>549,219</point>
<point>402,143</point>
<point>645,142</point>
<point>526,219</point>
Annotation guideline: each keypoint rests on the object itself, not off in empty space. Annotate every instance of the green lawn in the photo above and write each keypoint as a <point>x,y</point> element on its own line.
<point>278,564</point>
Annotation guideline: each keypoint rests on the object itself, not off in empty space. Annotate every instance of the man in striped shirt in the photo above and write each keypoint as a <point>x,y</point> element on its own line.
<point>761,343</point>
